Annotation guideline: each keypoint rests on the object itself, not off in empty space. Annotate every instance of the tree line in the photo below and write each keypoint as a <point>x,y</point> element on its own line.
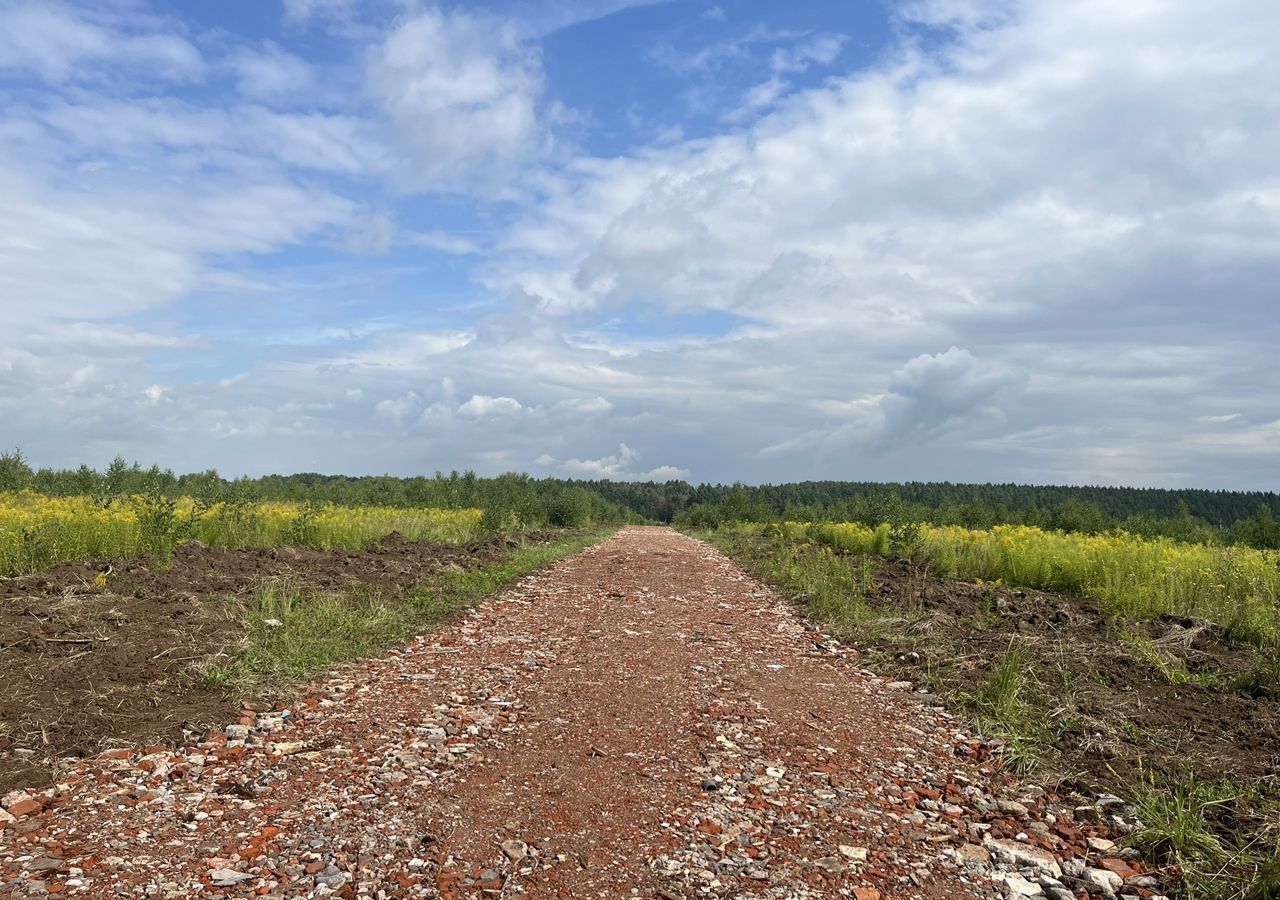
<point>1244,517</point>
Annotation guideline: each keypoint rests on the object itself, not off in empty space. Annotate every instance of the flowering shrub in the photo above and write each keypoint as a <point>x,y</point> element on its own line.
<point>37,531</point>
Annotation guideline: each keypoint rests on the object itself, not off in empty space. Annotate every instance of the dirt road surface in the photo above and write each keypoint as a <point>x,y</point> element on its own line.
<point>640,720</point>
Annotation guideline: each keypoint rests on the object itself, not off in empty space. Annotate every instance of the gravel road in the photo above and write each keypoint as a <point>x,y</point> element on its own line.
<point>642,719</point>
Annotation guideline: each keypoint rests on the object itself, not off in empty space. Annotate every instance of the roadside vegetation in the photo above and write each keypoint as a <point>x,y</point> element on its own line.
<point>1236,588</point>
<point>49,517</point>
<point>1245,518</point>
<point>1144,668</point>
<point>38,531</point>
<point>291,632</point>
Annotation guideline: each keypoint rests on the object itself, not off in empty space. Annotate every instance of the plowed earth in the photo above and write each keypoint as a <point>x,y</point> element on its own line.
<point>642,719</point>
<point>85,665</point>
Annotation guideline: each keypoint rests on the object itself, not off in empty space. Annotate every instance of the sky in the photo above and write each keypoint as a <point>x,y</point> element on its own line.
<point>967,240</point>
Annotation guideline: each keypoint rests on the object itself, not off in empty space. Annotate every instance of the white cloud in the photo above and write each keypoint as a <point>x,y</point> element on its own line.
<point>932,395</point>
<point>303,11</point>
<point>438,239</point>
<point>620,467</point>
<point>460,93</point>
<point>1080,195</point>
<point>397,409</point>
<point>821,49</point>
<point>482,405</point>
<point>59,42</point>
<point>270,73</point>
<point>109,244</point>
<point>585,406</point>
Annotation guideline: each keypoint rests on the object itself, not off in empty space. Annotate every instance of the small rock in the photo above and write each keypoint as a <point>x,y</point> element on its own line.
<point>1017,886</point>
<point>1025,855</point>
<point>20,803</point>
<point>1118,866</point>
<point>331,877</point>
<point>237,732</point>
<point>1142,881</point>
<point>1102,845</point>
<point>229,877</point>
<point>857,854</point>
<point>1108,882</point>
<point>1088,814</point>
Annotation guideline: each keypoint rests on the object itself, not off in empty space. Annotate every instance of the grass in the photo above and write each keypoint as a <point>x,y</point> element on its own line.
<point>832,591</point>
<point>1171,668</point>
<point>1003,708</point>
<point>1223,838</point>
<point>1236,588</point>
<point>38,531</point>
<point>291,634</point>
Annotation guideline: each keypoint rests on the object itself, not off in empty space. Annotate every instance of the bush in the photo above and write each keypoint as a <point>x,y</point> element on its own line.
<point>570,509</point>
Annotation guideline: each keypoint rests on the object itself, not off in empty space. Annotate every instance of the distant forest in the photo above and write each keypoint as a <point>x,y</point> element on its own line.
<point>1243,517</point>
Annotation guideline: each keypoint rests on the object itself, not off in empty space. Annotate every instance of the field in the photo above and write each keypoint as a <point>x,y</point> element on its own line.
<point>38,531</point>
<point>1144,668</point>
<point>144,618</point>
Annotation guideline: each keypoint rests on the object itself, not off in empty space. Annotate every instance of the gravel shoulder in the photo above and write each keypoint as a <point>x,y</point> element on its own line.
<point>642,719</point>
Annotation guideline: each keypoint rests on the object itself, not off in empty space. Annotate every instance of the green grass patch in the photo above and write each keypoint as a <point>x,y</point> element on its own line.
<point>1171,668</point>
<point>833,589</point>
<point>1223,838</point>
<point>292,633</point>
<point>1004,708</point>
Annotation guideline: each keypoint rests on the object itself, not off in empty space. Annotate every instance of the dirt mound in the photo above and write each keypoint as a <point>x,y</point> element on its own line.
<point>86,662</point>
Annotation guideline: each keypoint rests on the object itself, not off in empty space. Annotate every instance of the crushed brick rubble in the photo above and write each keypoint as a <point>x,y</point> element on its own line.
<point>640,720</point>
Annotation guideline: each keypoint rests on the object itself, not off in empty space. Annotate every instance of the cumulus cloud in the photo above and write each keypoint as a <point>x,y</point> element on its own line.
<point>933,395</point>
<point>585,405</point>
<point>460,93</point>
<point>930,397</point>
<point>482,405</point>
<point>620,467</point>
<point>1095,226</point>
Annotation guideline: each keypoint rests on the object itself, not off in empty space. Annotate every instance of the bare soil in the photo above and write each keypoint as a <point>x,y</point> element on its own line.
<point>1122,715</point>
<point>85,666</point>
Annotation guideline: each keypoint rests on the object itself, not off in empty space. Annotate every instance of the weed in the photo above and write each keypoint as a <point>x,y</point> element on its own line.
<point>1176,827</point>
<point>1002,708</point>
<point>291,632</point>
<point>1238,588</point>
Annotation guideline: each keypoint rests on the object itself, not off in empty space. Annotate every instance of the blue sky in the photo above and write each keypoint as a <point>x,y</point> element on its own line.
<point>903,239</point>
